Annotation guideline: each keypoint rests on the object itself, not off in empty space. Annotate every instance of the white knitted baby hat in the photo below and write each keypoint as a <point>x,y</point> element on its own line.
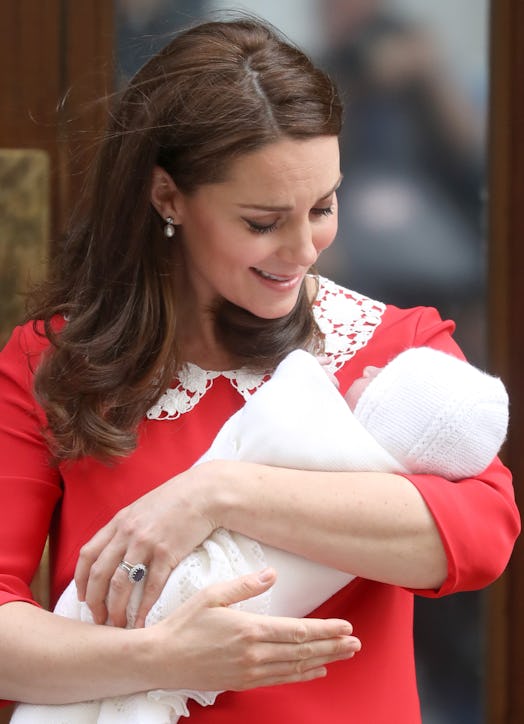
<point>436,414</point>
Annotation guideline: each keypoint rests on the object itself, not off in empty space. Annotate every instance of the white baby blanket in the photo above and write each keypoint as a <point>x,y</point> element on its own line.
<point>297,419</point>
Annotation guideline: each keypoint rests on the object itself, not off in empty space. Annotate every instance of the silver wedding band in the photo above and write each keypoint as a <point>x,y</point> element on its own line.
<point>134,573</point>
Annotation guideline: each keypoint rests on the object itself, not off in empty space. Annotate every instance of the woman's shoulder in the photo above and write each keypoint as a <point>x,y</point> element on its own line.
<point>28,341</point>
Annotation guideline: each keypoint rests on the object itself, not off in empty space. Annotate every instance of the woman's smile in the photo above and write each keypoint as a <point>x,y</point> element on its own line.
<point>278,281</point>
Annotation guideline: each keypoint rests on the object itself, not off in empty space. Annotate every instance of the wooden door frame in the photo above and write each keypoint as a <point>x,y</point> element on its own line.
<point>56,59</point>
<point>505,660</point>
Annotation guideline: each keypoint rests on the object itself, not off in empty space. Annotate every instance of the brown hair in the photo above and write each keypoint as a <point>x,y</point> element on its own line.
<point>216,91</point>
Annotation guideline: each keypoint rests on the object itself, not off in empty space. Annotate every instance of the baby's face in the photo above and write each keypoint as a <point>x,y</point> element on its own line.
<point>360,384</point>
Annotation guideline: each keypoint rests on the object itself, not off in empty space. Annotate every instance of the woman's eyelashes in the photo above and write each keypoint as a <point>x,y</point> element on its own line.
<point>323,211</point>
<point>259,228</point>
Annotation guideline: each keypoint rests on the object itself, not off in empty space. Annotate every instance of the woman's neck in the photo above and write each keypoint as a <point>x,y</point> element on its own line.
<point>206,357</point>
<point>198,342</point>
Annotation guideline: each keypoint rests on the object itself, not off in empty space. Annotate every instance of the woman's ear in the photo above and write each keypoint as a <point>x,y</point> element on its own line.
<point>164,194</point>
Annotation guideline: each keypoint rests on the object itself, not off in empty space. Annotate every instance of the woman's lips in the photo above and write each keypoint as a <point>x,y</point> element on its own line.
<point>278,278</point>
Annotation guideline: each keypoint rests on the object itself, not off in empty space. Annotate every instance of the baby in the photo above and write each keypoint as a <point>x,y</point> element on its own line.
<point>424,412</point>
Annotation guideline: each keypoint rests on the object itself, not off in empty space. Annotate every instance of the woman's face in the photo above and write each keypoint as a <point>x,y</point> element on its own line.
<point>252,238</point>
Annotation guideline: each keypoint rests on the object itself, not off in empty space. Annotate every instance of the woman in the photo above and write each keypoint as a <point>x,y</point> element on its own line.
<point>214,194</point>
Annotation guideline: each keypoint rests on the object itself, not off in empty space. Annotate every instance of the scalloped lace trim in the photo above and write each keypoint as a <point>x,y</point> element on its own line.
<point>347,319</point>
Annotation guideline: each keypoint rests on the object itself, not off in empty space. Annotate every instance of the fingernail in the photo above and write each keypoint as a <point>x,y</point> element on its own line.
<point>320,673</point>
<point>353,645</point>
<point>265,575</point>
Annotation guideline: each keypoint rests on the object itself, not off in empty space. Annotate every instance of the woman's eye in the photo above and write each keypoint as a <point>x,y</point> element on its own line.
<point>261,228</point>
<point>325,211</point>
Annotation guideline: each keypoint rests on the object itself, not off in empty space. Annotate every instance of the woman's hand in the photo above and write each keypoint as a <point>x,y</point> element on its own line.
<point>204,644</point>
<point>158,530</point>
<point>208,646</point>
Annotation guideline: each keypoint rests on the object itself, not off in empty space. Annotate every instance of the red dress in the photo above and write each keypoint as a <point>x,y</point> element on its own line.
<point>477,518</point>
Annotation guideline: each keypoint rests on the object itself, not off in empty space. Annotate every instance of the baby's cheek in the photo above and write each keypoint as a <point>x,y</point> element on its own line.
<point>357,388</point>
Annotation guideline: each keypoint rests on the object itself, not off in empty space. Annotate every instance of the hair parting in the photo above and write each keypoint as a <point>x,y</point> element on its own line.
<point>216,91</point>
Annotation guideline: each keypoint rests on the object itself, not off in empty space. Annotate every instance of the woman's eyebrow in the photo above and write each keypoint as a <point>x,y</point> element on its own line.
<point>263,207</point>
<point>271,207</point>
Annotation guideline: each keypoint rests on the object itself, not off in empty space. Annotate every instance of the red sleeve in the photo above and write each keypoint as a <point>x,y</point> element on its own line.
<point>477,518</point>
<point>29,483</point>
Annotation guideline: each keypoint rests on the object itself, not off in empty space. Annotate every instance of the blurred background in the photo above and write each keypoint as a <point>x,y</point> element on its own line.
<point>414,78</point>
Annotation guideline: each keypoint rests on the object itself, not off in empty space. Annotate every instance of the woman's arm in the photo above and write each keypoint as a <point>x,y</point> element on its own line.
<point>45,658</point>
<point>374,525</point>
<point>370,524</point>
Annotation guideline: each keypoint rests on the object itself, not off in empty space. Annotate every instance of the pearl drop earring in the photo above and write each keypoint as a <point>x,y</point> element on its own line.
<point>169,228</point>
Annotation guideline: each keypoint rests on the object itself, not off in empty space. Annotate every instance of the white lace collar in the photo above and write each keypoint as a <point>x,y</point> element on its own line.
<point>347,319</point>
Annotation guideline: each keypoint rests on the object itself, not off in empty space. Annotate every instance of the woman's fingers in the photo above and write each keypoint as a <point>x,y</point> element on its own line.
<point>266,664</point>
<point>157,575</point>
<point>89,554</point>
<point>302,669</point>
<point>106,577</point>
<point>210,644</point>
<point>224,594</point>
<point>291,646</point>
<point>104,585</point>
<point>239,589</point>
<point>143,532</point>
<point>273,629</point>
<point>293,658</point>
<point>293,679</point>
<point>159,563</point>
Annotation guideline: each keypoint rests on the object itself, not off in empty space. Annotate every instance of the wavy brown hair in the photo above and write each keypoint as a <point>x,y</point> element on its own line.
<point>216,91</point>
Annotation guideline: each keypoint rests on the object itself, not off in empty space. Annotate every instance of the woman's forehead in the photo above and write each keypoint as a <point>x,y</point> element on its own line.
<point>287,165</point>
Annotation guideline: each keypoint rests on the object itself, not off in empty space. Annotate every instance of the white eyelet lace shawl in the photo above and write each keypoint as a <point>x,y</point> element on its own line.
<point>347,319</point>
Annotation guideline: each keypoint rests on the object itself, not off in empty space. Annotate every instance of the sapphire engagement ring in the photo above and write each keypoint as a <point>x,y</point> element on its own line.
<point>134,573</point>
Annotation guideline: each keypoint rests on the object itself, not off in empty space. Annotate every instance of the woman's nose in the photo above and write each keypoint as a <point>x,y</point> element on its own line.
<point>299,247</point>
